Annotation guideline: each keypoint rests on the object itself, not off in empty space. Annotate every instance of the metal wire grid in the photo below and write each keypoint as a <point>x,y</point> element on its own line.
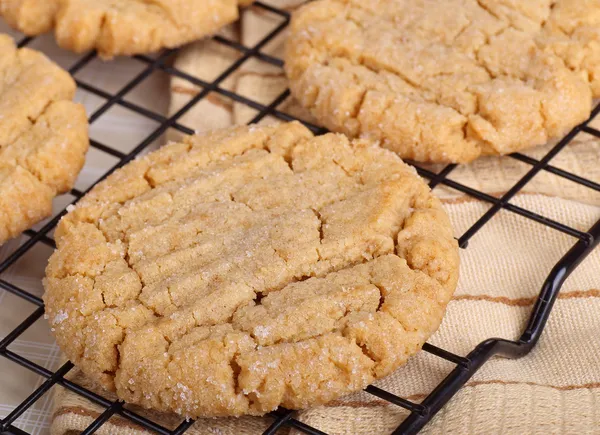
<point>464,367</point>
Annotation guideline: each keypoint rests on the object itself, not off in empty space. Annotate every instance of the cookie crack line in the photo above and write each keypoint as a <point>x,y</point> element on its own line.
<point>488,10</point>
<point>21,135</point>
<point>302,275</point>
<point>321,223</point>
<point>553,4</point>
<point>161,7</point>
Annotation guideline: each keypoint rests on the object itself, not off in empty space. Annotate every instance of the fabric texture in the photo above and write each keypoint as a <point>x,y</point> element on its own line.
<point>553,390</point>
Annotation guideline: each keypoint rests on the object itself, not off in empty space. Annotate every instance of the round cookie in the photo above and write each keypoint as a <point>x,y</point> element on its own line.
<point>250,268</point>
<point>43,137</point>
<point>444,83</point>
<point>121,27</point>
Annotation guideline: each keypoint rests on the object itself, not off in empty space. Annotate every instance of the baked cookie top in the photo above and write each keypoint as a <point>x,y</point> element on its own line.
<point>43,136</point>
<point>121,27</point>
<point>446,82</point>
<point>572,32</point>
<point>250,268</point>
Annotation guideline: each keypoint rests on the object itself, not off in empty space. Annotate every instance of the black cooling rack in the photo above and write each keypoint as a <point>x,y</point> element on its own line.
<point>464,366</point>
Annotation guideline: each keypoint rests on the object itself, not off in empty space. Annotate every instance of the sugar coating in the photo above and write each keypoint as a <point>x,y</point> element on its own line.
<point>447,83</point>
<point>120,27</point>
<point>250,268</point>
<point>572,32</point>
<point>43,137</point>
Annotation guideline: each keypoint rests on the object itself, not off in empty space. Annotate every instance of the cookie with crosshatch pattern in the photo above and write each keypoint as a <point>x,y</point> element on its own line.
<point>249,268</point>
<point>43,136</point>
<point>121,27</point>
<point>450,81</point>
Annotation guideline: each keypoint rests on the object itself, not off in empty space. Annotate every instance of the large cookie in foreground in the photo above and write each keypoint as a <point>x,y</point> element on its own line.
<point>43,136</point>
<point>121,27</point>
<point>446,82</point>
<point>250,268</point>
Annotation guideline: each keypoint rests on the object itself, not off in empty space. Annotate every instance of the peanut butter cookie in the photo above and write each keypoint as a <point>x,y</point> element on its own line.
<point>250,268</point>
<point>43,136</point>
<point>446,82</point>
<point>121,27</point>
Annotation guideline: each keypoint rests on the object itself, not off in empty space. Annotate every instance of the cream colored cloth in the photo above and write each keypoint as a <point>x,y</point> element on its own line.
<point>554,390</point>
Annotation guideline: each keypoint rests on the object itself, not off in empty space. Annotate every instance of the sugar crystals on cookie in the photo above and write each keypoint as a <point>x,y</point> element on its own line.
<point>446,82</point>
<point>249,268</point>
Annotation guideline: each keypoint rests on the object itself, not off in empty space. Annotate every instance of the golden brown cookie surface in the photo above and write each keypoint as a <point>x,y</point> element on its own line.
<point>120,27</point>
<point>250,268</point>
<point>446,83</point>
<point>43,136</point>
<point>572,32</point>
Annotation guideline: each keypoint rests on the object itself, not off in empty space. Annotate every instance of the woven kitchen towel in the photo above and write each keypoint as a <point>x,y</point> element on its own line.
<point>554,390</point>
